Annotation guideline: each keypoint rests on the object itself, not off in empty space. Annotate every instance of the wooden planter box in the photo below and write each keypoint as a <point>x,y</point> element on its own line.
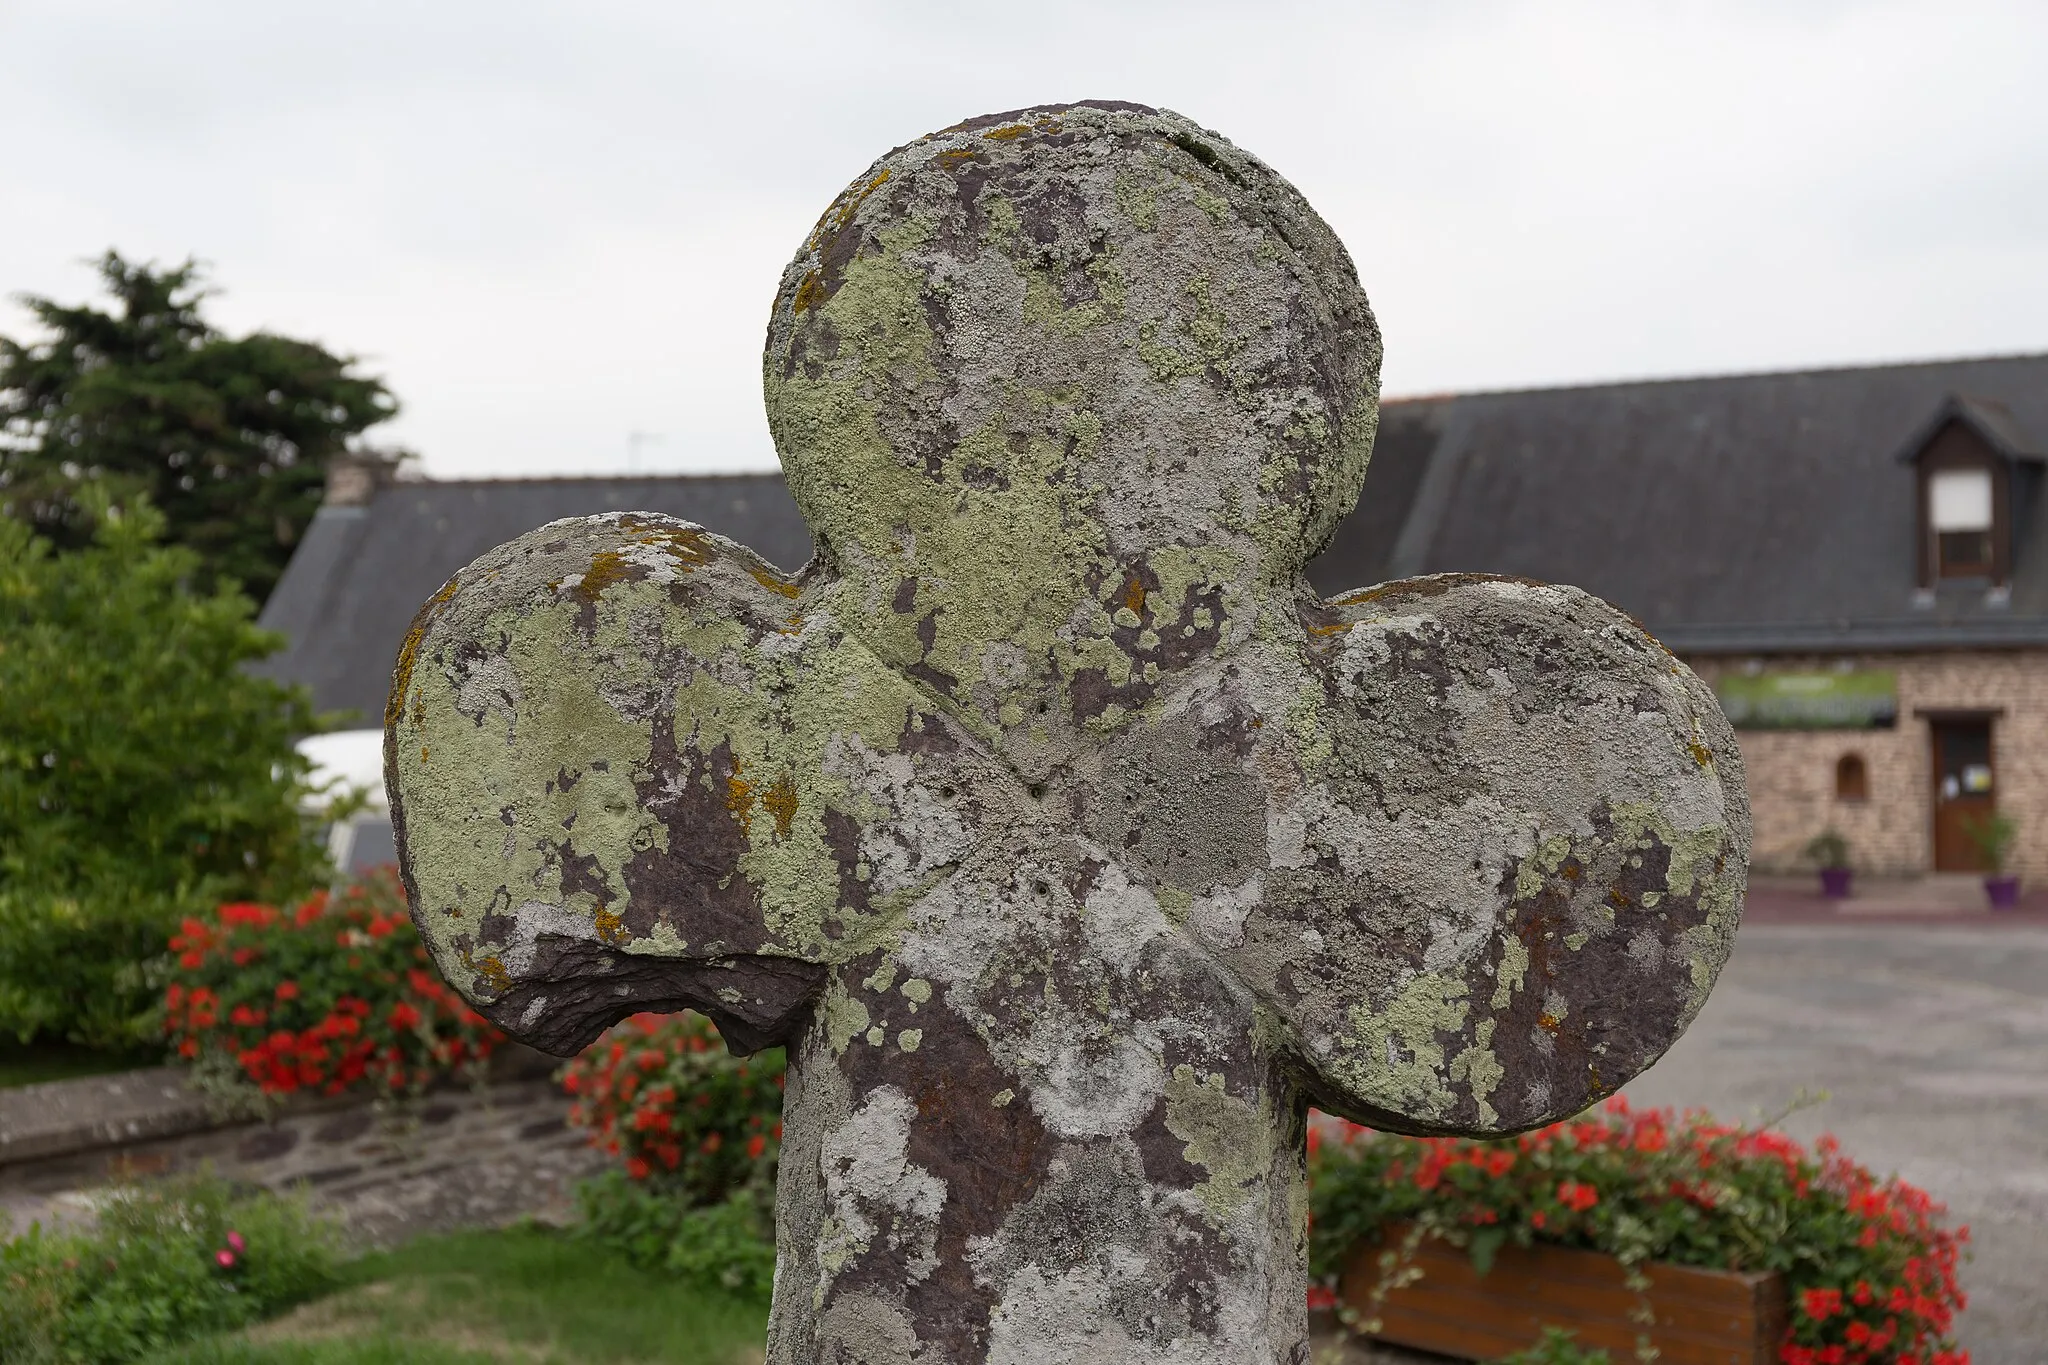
<point>1704,1317</point>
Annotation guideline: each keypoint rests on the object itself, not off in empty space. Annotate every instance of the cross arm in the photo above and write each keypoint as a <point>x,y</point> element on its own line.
<point>1514,865</point>
<point>604,789</point>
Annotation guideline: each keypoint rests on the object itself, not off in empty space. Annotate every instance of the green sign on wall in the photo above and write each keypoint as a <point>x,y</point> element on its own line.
<point>1810,701</point>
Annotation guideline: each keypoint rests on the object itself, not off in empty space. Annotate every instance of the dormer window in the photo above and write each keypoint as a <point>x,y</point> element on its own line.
<point>1960,513</point>
<point>1978,474</point>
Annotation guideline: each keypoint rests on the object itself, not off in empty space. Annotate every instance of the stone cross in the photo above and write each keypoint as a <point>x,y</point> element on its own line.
<point>1072,845</point>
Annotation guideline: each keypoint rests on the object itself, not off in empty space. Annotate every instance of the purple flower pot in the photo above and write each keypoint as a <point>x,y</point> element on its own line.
<point>1834,883</point>
<point>2003,891</point>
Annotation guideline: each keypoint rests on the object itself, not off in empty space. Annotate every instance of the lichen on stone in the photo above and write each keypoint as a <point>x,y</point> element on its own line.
<point>1068,842</point>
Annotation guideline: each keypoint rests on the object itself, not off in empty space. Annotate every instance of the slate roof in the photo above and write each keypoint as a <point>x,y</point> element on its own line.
<point>1749,513</point>
<point>349,593</point>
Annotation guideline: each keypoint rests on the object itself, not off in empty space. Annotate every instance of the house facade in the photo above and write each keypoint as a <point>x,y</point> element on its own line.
<point>1855,559</point>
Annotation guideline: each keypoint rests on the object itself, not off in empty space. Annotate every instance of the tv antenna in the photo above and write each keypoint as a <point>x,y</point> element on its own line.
<point>636,439</point>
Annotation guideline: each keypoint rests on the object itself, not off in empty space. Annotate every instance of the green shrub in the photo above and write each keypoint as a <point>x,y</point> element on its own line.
<point>728,1246</point>
<point>1994,835</point>
<point>336,994</point>
<point>699,1132</point>
<point>145,774</point>
<point>1828,849</point>
<point>165,1263</point>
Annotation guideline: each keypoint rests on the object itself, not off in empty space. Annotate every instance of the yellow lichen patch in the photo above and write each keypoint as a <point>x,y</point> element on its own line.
<point>1134,593</point>
<point>841,211</point>
<point>490,969</point>
<point>684,544</point>
<point>739,796</point>
<point>809,292</point>
<point>1008,132</point>
<point>780,802</point>
<point>408,652</point>
<point>852,206</point>
<point>611,928</point>
<point>771,582</point>
<point>607,567</point>
<point>1550,1023</point>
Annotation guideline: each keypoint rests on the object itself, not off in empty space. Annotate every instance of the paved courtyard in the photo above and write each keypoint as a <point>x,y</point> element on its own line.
<point>1933,1043</point>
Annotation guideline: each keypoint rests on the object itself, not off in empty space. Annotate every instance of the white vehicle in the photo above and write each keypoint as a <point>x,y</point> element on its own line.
<point>345,763</point>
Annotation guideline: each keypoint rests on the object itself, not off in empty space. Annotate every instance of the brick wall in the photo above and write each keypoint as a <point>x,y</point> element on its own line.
<point>1792,772</point>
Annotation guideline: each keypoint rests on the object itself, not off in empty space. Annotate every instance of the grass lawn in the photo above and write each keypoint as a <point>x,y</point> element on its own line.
<point>521,1295</point>
<point>28,1063</point>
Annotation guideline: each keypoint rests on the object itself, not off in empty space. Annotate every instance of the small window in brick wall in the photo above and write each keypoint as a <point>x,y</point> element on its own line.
<point>1852,779</point>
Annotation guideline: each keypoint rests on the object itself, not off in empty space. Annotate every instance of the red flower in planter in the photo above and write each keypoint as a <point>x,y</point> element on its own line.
<point>1821,1304</point>
<point>1869,1263</point>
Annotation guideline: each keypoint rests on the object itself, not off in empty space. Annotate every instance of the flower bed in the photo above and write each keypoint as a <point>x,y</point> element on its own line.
<point>334,994</point>
<point>699,1132</point>
<point>1869,1264</point>
<point>662,1093</point>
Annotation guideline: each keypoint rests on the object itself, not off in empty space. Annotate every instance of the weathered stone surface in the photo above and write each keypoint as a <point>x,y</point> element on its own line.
<point>1070,842</point>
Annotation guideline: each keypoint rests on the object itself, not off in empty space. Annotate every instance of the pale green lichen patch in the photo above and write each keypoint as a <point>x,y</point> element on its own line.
<point>1228,1137</point>
<point>1395,1053</point>
<point>846,1017</point>
<point>1480,1071</point>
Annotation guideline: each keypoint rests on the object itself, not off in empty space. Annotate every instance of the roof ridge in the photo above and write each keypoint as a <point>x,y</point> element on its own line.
<point>504,481</point>
<point>1652,381</point>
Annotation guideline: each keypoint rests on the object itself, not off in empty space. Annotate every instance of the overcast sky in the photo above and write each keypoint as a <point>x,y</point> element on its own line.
<point>549,226</point>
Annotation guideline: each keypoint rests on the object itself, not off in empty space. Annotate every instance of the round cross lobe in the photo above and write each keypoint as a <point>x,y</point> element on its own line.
<point>619,761</point>
<point>1519,863</point>
<point>1024,366</point>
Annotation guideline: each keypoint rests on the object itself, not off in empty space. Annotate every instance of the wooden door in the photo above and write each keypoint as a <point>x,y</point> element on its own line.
<point>1964,791</point>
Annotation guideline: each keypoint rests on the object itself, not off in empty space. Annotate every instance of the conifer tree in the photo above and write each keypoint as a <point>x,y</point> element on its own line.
<point>228,436</point>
